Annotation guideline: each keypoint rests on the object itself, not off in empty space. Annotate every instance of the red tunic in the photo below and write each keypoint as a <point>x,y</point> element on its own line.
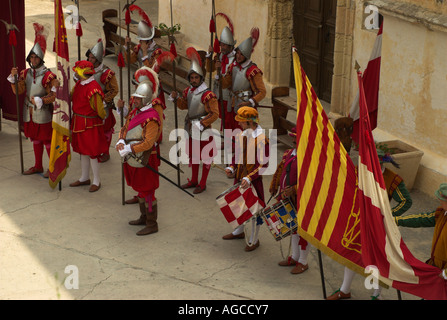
<point>88,136</point>
<point>143,180</point>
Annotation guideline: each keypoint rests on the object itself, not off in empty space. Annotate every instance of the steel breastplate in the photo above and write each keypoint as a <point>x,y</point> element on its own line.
<point>149,55</point>
<point>239,78</point>
<point>133,136</point>
<point>34,88</point>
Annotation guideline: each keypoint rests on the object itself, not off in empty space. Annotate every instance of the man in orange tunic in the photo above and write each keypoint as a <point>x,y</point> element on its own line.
<point>88,138</point>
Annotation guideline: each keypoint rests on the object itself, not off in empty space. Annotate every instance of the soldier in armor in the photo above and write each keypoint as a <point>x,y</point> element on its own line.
<point>147,50</point>
<point>141,75</point>
<point>243,79</point>
<point>138,146</point>
<point>107,81</point>
<point>203,110</point>
<point>39,85</point>
<point>226,58</point>
<point>88,138</point>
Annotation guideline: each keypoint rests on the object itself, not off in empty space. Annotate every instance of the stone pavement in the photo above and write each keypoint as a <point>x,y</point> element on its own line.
<point>47,235</point>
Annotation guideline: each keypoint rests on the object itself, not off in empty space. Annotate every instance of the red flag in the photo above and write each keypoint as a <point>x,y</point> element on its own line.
<point>371,79</point>
<point>60,154</point>
<point>382,244</point>
<point>327,206</point>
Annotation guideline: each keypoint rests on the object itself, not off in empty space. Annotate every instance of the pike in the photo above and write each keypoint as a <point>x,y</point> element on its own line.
<point>13,42</point>
<point>126,7</point>
<point>79,29</point>
<point>160,174</point>
<point>120,65</point>
<point>172,45</point>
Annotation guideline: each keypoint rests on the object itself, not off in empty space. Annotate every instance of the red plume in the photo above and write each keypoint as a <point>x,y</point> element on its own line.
<point>153,78</point>
<point>127,17</point>
<point>212,25</point>
<point>79,30</point>
<point>41,37</point>
<point>227,19</point>
<point>254,34</point>
<point>121,63</point>
<point>173,50</point>
<point>216,46</point>
<point>142,14</point>
<point>163,57</point>
<point>192,54</point>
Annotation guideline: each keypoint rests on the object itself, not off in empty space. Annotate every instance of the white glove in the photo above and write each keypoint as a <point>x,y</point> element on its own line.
<point>198,124</point>
<point>125,151</point>
<point>11,79</point>
<point>120,141</point>
<point>39,103</point>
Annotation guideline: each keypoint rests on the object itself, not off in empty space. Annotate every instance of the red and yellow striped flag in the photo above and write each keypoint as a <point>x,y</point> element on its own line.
<point>327,206</point>
<point>60,154</point>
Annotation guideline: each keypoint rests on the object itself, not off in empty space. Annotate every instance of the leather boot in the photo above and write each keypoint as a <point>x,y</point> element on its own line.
<point>141,221</point>
<point>151,223</point>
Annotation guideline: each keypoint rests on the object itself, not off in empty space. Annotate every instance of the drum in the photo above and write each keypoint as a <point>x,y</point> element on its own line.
<point>239,205</point>
<point>280,218</point>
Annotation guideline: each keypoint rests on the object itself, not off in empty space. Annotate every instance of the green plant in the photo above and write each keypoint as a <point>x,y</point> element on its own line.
<point>167,31</point>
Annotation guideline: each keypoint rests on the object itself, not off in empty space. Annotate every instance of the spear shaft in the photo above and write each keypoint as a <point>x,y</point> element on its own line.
<point>123,192</point>
<point>172,39</point>
<point>19,118</point>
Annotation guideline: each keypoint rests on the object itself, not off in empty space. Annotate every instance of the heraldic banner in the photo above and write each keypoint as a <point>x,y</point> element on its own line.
<point>382,243</point>
<point>327,207</point>
<point>60,155</point>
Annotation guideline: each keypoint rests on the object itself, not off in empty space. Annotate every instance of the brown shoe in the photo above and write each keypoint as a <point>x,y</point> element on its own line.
<point>104,158</point>
<point>288,262</point>
<point>132,201</point>
<point>94,188</point>
<point>199,189</point>
<point>252,247</point>
<point>231,236</point>
<point>79,183</point>
<point>188,185</point>
<point>299,268</point>
<point>339,295</point>
<point>32,170</point>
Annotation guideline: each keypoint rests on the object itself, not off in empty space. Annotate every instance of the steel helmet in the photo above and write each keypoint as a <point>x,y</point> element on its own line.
<point>97,51</point>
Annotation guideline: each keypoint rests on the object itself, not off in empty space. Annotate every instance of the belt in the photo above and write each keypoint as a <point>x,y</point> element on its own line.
<point>84,116</point>
<point>241,94</point>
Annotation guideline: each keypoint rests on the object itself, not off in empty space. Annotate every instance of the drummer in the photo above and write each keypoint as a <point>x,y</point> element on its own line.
<point>284,183</point>
<point>250,159</point>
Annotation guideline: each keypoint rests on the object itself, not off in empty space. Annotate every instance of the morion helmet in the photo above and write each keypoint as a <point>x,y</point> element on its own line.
<point>97,51</point>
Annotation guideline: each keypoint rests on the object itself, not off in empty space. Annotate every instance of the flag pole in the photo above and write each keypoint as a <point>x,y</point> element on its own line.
<point>323,286</point>
<point>10,28</point>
